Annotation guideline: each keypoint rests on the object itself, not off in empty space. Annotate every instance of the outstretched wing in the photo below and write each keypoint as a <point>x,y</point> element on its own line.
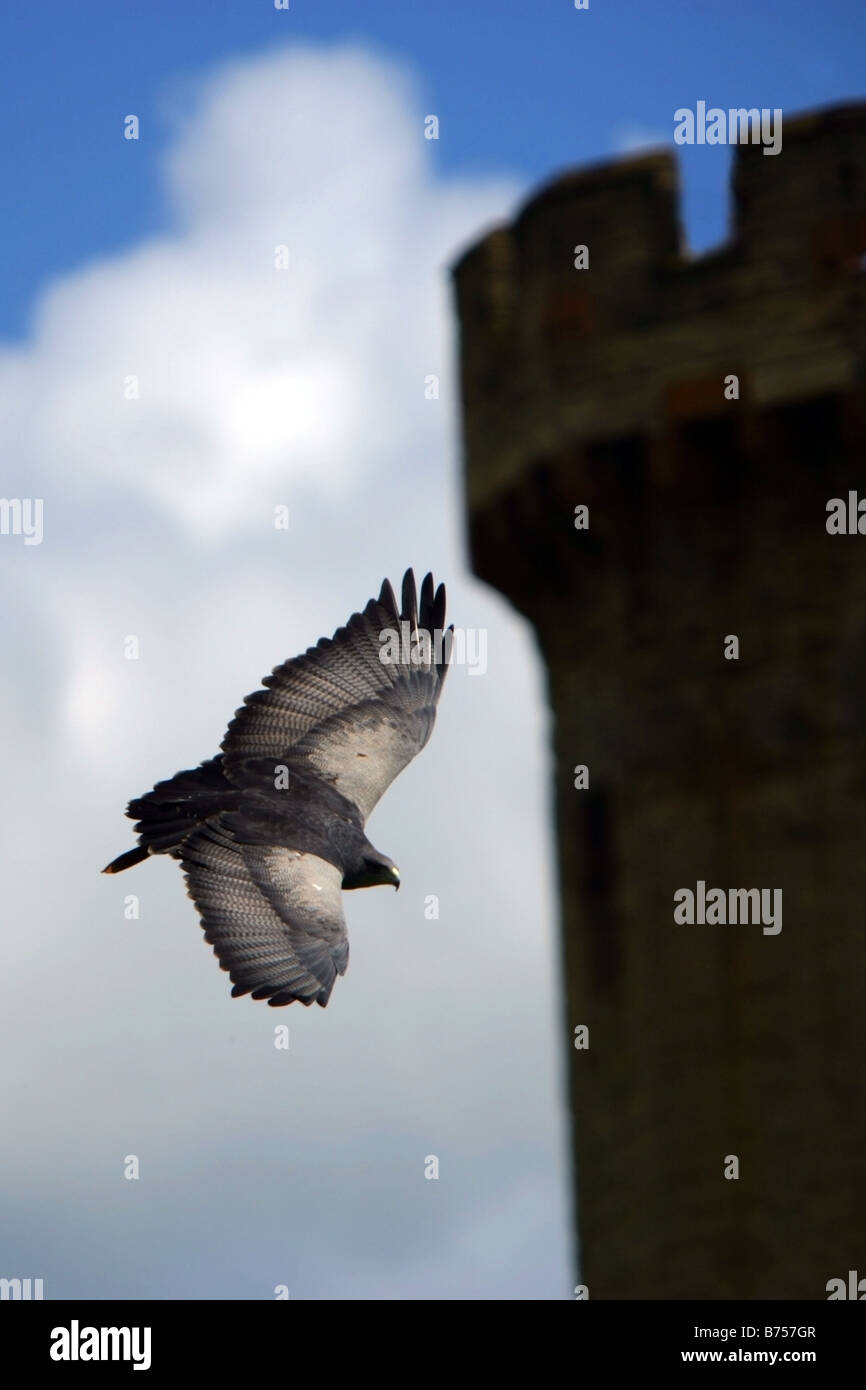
<point>273,915</point>
<point>356,708</point>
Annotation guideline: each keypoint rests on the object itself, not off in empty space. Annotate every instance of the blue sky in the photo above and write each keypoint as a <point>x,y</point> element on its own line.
<point>520,88</point>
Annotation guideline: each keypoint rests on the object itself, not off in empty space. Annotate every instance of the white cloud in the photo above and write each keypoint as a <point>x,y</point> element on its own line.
<point>259,387</point>
<point>248,373</point>
<point>630,138</point>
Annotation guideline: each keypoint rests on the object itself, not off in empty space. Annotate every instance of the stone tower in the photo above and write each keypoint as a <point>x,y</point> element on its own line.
<point>610,388</point>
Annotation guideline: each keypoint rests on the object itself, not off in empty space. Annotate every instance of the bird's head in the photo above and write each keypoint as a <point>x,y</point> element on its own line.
<point>374,868</point>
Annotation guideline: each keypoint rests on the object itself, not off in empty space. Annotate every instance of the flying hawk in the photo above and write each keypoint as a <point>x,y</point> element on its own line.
<point>271,830</point>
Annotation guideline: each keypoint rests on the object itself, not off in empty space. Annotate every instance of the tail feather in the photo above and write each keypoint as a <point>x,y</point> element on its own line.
<point>126,861</point>
<point>172,810</point>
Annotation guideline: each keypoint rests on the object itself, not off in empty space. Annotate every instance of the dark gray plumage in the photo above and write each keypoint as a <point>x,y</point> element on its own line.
<point>271,830</point>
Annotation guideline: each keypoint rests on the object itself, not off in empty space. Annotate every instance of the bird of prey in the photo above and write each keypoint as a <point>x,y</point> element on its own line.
<point>271,830</point>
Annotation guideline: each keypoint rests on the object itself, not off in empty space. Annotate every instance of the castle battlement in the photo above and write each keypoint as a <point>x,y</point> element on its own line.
<point>647,334</point>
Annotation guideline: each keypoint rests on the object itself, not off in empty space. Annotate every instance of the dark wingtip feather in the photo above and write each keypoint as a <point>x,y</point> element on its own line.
<point>426,608</point>
<point>387,599</point>
<point>409,612</point>
<point>439,608</point>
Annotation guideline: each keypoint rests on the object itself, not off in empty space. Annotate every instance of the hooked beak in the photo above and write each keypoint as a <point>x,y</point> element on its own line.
<point>396,872</point>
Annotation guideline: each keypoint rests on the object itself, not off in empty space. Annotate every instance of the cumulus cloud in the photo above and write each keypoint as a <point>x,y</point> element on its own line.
<point>274,331</point>
<point>631,138</point>
<point>168,400</point>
